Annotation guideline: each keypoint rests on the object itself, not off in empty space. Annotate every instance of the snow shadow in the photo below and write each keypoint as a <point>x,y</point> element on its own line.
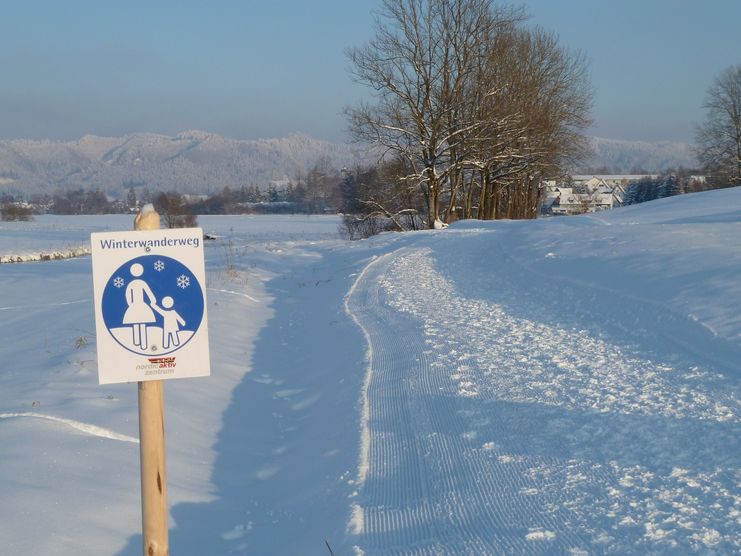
<point>282,465</point>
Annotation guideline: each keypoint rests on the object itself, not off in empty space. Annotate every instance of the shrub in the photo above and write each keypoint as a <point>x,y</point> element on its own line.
<point>16,212</point>
<point>356,227</point>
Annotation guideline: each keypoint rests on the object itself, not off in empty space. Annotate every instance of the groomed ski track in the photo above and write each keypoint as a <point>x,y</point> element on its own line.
<point>493,424</point>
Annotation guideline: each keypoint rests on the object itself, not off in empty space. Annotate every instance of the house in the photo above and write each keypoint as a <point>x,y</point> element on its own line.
<point>581,194</point>
<point>564,200</point>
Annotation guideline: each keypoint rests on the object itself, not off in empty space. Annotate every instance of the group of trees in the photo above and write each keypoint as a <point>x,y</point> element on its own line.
<point>666,185</point>
<point>78,201</point>
<point>10,211</point>
<point>316,192</point>
<point>472,108</point>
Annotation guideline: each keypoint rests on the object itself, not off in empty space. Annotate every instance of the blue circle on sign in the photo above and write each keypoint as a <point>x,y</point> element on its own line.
<point>152,305</point>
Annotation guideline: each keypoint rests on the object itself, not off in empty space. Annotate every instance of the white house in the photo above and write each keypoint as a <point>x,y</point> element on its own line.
<point>565,200</point>
<point>584,193</point>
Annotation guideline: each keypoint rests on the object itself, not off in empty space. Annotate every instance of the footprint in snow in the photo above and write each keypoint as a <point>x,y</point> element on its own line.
<point>237,532</point>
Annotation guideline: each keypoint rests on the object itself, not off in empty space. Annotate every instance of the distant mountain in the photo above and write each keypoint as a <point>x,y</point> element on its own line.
<point>200,162</point>
<point>615,156</point>
<point>191,162</point>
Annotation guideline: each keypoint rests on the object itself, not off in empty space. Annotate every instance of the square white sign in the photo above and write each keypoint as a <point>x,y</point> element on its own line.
<point>150,305</point>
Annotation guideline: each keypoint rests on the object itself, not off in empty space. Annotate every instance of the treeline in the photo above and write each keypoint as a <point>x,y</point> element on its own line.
<point>323,189</point>
<point>77,201</point>
<point>70,202</point>
<point>11,211</point>
<point>666,185</point>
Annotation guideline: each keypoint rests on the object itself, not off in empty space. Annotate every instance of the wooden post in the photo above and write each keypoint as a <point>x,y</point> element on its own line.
<point>152,442</point>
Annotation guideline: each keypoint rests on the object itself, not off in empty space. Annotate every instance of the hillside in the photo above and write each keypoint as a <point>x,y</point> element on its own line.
<point>191,162</point>
<point>200,162</point>
<point>614,156</point>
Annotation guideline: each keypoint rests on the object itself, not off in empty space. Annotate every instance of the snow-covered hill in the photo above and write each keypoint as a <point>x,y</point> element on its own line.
<point>613,156</point>
<point>190,162</point>
<point>200,162</point>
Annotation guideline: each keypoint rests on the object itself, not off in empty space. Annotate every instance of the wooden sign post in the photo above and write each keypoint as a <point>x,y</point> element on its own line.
<point>153,476</point>
<point>152,445</point>
<point>151,325</point>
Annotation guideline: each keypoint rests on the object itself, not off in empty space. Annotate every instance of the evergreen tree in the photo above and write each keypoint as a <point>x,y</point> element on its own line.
<point>272,195</point>
<point>131,200</point>
<point>630,194</point>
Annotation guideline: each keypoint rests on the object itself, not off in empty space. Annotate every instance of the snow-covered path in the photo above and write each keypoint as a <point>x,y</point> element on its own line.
<point>494,425</point>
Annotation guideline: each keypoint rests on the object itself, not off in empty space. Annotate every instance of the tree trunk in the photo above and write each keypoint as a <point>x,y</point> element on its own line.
<point>468,197</point>
<point>495,211</point>
<point>433,204</point>
<point>484,196</point>
<point>455,187</point>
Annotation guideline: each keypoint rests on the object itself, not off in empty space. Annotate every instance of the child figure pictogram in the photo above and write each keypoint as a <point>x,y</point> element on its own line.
<point>172,322</point>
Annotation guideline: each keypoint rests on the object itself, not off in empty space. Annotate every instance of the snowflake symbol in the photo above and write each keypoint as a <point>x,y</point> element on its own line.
<point>183,281</point>
<point>159,266</point>
<point>118,282</point>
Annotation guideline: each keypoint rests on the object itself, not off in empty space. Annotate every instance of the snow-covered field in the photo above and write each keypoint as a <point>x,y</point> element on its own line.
<point>562,386</point>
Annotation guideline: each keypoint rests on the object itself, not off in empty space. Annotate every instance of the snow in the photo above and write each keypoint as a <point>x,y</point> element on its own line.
<point>146,209</point>
<point>560,386</point>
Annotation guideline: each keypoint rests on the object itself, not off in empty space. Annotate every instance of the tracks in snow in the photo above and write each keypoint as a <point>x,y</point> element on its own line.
<point>488,433</point>
<point>425,491</point>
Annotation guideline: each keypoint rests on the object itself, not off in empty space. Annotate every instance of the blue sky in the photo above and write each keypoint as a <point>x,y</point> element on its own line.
<point>259,68</point>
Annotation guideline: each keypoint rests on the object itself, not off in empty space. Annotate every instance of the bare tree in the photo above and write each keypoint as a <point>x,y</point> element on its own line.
<point>380,196</point>
<point>174,210</point>
<point>533,102</point>
<point>420,65</point>
<point>719,137</point>
<point>478,107</point>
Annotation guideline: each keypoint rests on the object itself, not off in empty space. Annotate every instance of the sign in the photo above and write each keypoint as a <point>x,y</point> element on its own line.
<point>150,305</point>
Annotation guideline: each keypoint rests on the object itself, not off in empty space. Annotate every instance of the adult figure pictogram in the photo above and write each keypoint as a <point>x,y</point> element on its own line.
<point>139,313</point>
